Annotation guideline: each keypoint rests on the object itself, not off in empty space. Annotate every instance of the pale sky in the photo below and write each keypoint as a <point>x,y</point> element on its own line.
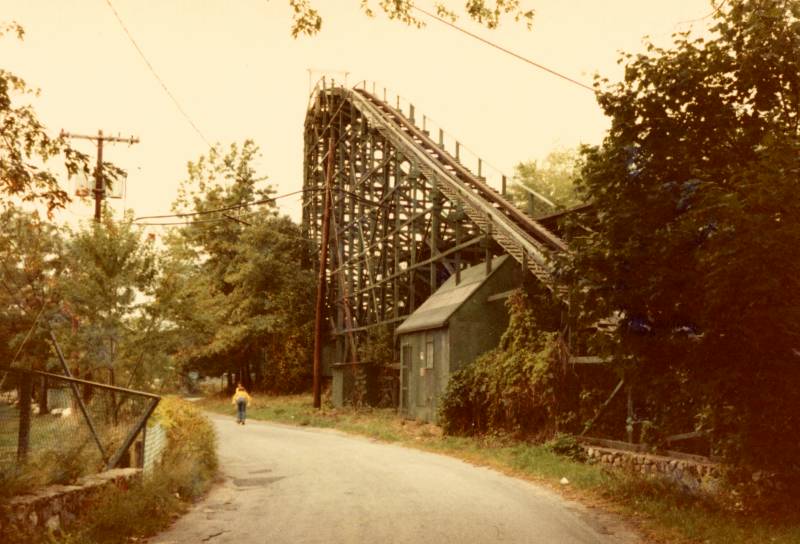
<point>238,73</point>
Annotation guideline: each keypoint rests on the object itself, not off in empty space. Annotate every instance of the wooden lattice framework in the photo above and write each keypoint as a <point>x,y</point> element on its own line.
<point>405,214</point>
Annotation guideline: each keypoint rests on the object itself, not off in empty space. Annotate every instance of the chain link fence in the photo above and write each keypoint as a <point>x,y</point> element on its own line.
<point>67,427</point>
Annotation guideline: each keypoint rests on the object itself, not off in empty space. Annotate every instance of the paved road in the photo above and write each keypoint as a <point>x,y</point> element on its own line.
<point>303,486</point>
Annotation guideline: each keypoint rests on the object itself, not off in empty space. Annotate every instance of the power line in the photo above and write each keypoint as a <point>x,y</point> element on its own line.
<point>223,209</point>
<point>242,205</point>
<point>153,71</point>
<point>717,9</point>
<point>503,49</point>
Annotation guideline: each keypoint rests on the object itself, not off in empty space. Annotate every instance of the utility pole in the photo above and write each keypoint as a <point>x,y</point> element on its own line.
<point>99,189</point>
<point>323,261</point>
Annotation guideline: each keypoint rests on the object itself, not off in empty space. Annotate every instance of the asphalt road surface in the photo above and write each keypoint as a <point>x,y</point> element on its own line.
<point>301,486</point>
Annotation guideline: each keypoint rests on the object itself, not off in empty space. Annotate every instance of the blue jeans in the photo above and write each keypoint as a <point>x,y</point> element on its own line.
<point>241,407</point>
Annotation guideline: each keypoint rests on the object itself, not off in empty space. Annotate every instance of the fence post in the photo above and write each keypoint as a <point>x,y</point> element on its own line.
<point>44,406</point>
<point>115,459</point>
<point>78,398</point>
<point>25,392</point>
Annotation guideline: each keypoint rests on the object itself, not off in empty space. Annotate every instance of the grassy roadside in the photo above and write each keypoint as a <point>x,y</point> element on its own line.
<point>658,511</point>
<point>188,468</point>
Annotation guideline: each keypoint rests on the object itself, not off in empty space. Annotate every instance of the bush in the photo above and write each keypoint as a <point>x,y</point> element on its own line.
<point>185,473</point>
<point>190,436</point>
<point>566,445</point>
<point>512,389</point>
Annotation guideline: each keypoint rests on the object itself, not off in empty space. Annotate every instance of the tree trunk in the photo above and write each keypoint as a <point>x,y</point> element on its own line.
<point>259,367</point>
<point>248,379</point>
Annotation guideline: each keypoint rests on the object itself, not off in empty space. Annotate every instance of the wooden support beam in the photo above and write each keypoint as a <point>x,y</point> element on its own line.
<point>603,407</point>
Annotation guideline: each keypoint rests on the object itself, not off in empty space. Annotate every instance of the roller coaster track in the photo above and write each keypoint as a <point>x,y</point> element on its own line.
<point>406,213</point>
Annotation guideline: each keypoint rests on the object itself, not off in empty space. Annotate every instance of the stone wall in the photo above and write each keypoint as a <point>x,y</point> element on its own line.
<point>693,475</point>
<point>56,506</point>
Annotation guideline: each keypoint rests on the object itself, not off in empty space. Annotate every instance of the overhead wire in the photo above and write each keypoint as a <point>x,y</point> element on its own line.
<point>155,74</point>
<point>254,203</point>
<point>223,209</point>
<point>717,9</point>
<point>239,206</point>
<point>503,49</point>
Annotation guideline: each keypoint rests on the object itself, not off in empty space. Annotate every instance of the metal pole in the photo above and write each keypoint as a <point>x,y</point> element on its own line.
<point>488,248</point>
<point>78,398</point>
<point>323,260</point>
<point>132,434</point>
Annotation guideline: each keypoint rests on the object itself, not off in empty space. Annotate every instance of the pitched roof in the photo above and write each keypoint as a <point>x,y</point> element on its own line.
<point>441,305</point>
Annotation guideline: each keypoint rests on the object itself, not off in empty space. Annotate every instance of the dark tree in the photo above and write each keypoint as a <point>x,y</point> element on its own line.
<point>695,246</point>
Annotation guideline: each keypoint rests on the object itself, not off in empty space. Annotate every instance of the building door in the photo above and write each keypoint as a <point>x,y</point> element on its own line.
<point>426,383</point>
<point>405,374</point>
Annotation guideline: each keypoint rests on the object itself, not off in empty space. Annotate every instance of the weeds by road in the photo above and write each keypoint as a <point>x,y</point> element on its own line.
<point>186,471</point>
<point>661,512</point>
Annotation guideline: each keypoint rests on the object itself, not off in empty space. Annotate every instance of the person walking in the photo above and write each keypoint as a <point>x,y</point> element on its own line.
<point>241,399</point>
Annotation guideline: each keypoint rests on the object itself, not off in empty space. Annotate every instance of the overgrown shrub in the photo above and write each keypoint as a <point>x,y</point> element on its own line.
<point>566,445</point>
<point>286,367</point>
<point>186,471</point>
<point>513,388</point>
<point>375,348</point>
<point>190,435</point>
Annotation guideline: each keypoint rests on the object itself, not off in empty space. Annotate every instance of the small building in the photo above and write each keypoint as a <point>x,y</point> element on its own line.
<point>453,327</point>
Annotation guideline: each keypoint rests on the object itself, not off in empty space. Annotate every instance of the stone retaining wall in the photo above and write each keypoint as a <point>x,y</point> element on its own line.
<point>692,475</point>
<point>56,506</point>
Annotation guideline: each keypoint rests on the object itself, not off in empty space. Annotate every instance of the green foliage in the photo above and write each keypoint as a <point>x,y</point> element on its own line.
<point>110,269</point>
<point>567,446</point>
<point>89,286</point>
<point>513,388</point>
<point>377,347</point>
<point>693,246</point>
<point>234,288</point>
<point>554,179</point>
<point>308,21</point>
<point>190,435</point>
<point>31,265</point>
<point>149,505</point>
<point>26,148</point>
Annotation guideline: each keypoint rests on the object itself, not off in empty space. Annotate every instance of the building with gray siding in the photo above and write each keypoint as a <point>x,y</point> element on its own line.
<point>462,320</point>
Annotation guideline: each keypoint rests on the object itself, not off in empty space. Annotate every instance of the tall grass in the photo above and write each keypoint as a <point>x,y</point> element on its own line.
<point>186,472</point>
<point>75,458</point>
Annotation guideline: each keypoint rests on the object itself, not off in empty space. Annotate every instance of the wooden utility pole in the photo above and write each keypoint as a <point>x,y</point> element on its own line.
<point>323,261</point>
<point>99,189</point>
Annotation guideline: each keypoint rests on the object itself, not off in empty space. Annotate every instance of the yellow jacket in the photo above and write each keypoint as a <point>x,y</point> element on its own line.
<point>241,393</point>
